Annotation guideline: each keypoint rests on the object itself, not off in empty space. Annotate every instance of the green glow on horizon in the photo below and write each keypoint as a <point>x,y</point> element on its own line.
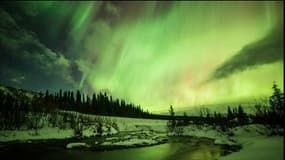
<point>160,60</point>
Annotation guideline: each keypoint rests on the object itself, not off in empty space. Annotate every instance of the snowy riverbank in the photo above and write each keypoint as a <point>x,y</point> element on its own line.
<point>256,144</point>
<point>131,132</point>
<point>255,140</point>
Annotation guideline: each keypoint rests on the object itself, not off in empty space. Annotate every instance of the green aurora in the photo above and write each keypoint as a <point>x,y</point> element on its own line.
<point>161,53</point>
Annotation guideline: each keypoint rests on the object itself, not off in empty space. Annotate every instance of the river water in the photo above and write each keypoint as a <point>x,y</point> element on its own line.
<point>190,149</point>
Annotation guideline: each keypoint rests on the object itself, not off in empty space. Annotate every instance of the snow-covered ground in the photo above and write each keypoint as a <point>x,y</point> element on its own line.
<point>76,145</point>
<point>253,138</point>
<point>261,148</point>
<point>135,124</point>
<point>44,133</point>
<point>137,138</point>
<point>131,124</point>
<point>206,131</point>
<point>256,145</point>
<point>88,129</point>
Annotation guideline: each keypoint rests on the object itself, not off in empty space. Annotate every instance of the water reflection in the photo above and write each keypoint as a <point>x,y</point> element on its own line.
<point>202,153</point>
<point>190,151</point>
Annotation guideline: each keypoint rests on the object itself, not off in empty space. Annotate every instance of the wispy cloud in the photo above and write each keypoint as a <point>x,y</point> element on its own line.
<point>267,50</point>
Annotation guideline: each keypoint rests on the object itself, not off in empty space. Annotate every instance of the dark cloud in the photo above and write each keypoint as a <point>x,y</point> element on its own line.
<point>26,62</point>
<point>37,49</point>
<point>264,51</point>
<point>52,22</point>
<point>49,23</point>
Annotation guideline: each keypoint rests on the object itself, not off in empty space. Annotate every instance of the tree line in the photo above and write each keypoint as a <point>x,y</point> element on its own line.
<point>100,104</point>
<point>15,106</point>
<point>269,112</point>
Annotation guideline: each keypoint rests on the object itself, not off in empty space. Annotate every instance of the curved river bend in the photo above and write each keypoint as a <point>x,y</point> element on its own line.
<point>182,149</point>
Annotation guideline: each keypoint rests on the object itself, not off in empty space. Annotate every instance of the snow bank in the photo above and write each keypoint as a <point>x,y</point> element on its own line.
<point>128,124</point>
<point>50,133</point>
<point>110,126</point>
<point>206,131</point>
<point>91,131</point>
<point>254,139</point>
<point>136,138</point>
<point>132,142</point>
<point>137,124</point>
<point>261,148</point>
<point>252,130</point>
<point>234,136</point>
<point>77,145</point>
<point>44,133</point>
<point>136,141</point>
<point>256,144</point>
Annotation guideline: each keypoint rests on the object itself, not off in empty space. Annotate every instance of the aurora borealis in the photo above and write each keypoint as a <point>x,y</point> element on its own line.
<point>149,53</point>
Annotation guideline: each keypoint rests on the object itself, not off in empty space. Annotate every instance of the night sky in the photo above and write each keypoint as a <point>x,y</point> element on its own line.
<point>149,53</point>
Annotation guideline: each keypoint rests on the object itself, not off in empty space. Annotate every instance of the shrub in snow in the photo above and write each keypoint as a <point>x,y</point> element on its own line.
<point>108,129</point>
<point>179,131</point>
<point>171,124</point>
<point>77,126</point>
<point>34,121</point>
<point>78,130</point>
<point>100,129</point>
